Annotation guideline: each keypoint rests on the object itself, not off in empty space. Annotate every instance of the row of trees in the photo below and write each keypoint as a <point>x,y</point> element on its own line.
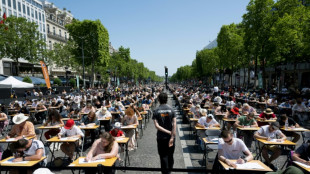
<point>88,45</point>
<point>270,34</point>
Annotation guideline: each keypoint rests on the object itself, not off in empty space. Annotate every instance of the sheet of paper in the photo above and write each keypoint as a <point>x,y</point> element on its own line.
<point>10,139</point>
<point>302,164</point>
<point>249,166</point>
<point>276,140</point>
<point>119,138</point>
<point>52,126</point>
<point>68,138</point>
<point>129,126</point>
<point>82,161</point>
<point>299,129</point>
<point>11,161</point>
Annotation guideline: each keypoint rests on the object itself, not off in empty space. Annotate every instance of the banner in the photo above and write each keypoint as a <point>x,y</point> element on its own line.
<point>77,82</point>
<point>45,74</point>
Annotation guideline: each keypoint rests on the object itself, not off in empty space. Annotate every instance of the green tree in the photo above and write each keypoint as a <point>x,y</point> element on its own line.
<point>72,82</point>
<point>21,39</point>
<point>27,79</point>
<point>57,81</point>
<point>92,38</point>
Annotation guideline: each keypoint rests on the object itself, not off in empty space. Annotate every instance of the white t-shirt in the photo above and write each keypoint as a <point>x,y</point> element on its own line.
<point>35,145</point>
<point>71,132</point>
<point>203,121</point>
<point>233,151</point>
<point>216,89</point>
<point>264,131</point>
<point>100,115</point>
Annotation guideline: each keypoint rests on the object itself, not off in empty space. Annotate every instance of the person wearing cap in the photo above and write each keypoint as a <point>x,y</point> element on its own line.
<point>232,114</point>
<point>69,130</point>
<point>269,132</point>
<point>29,150</point>
<point>266,115</point>
<point>22,127</point>
<point>230,148</point>
<point>290,123</point>
<point>246,120</point>
<point>206,122</point>
<point>116,131</point>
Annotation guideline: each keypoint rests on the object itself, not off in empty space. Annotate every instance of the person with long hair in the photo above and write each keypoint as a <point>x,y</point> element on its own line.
<point>130,119</point>
<point>54,119</point>
<point>90,120</point>
<point>3,119</point>
<point>103,148</point>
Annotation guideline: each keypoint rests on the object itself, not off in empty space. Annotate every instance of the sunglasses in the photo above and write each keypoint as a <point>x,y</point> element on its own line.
<point>228,141</point>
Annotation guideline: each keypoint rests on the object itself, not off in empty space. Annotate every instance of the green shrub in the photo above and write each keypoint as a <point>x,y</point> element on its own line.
<point>72,82</point>
<point>27,79</point>
<point>57,81</point>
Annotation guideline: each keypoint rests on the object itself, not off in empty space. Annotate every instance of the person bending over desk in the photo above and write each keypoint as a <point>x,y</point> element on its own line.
<point>232,148</point>
<point>269,132</point>
<point>302,154</point>
<point>284,120</point>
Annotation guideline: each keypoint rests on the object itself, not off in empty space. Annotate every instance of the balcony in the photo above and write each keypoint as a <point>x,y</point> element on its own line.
<point>56,37</point>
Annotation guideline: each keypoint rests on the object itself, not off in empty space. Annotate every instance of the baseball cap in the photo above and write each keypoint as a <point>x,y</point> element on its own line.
<point>275,125</point>
<point>117,125</point>
<point>69,124</point>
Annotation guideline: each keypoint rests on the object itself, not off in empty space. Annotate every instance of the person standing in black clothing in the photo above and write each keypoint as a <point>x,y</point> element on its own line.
<point>165,123</point>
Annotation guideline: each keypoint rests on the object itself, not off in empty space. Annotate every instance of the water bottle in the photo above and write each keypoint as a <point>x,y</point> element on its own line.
<point>286,125</point>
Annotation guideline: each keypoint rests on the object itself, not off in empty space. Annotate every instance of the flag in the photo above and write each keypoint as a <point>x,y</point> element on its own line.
<point>4,16</point>
<point>45,74</point>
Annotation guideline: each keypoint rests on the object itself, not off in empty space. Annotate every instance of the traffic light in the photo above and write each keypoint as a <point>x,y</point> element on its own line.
<point>166,71</point>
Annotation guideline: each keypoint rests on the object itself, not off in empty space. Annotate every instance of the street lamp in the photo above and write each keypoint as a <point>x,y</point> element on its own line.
<point>66,68</point>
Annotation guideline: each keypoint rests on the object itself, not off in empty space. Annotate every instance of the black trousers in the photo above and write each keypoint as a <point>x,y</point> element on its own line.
<point>166,154</point>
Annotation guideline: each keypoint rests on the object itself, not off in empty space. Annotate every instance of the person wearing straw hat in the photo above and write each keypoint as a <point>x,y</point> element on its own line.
<point>21,128</point>
<point>266,115</point>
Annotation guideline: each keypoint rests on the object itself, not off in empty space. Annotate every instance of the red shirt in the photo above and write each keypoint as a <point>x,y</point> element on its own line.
<point>263,115</point>
<point>116,134</point>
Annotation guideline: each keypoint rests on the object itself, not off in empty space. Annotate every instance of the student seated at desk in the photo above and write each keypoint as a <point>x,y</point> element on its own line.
<point>246,120</point>
<point>130,119</point>
<point>88,108</point>
<point>70,130</point>
<point>117,132</point>
<point>269,132</point>
<point>4,122</point>
<point>40,116</point>
<point>232,114</point>
<point>54,119</point>
<point>302,154</point>
<point>284,120</point>
<point>90,120</point>
<point>232,149</point>
<point>103,148</point>
<point>266,115</point>
<point>21,128</point>
<point>103,113</point>
<point>206,122</point>
<point>29,150</point>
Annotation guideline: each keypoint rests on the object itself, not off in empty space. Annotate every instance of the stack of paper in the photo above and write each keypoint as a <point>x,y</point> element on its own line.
<point>249,166</point>
<point>11,161</point>
<point>82,161</point>
<point>68,138</point>
<point>10,139</point>
<point>302,164</point>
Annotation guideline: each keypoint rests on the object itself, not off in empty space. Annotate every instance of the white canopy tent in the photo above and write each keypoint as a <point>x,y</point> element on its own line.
<point>14,83</point>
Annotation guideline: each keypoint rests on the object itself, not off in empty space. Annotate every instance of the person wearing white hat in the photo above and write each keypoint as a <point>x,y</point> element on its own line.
<point>103,113</point>
<point>205,122</point>
<point>21,128</point>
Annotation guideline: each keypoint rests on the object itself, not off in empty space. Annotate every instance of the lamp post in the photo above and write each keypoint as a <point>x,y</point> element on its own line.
<point>83,64</point>
<point>66,68</point>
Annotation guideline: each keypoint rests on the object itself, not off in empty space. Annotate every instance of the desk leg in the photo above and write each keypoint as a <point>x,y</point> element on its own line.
<point>52,152</point>
<point>82,146</point>
<point>41,134</point>
<point>127,155</point>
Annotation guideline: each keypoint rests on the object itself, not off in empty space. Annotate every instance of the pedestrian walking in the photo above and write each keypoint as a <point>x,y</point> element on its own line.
<point>165,123</point>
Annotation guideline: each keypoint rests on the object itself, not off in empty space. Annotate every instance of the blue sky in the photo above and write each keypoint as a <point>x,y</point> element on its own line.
<point>159,32</point>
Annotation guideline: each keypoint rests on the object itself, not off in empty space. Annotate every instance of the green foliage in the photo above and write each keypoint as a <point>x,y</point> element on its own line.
<point>92,38</point>
<point>21,39</point>
<point>57,81</point>
<point>42,85</point>
<point>72,82</point>
<point>27,79</point>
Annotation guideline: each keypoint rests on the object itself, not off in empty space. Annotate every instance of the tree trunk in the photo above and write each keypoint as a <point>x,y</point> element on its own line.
<point>243,76</point>
<point>255,72</point>
<point>17,67</point>
<point>92,73</point>
<point>264,72</point>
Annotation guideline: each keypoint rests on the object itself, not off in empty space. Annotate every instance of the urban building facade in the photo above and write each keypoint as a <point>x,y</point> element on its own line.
<point>33,11</point>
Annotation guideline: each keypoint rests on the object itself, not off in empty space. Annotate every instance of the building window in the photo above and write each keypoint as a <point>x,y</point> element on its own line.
<point>24,9</point>
<point>60,33</point>
<point>9,3</point>
<point>36,15</point>
<point>40,16</point>
<point>32,13</point>
<point>54,30</point>
<point>7,68</point>
<point>66,35</point>
<point>19,7</point>
<point>28,11</point>
<point>50,45</point>
<point>10,12</point>
<point>43,28</point>
<point>15,13</point>
<point>3,2</point>
<point>48,28</point>
<point>14,4</point>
